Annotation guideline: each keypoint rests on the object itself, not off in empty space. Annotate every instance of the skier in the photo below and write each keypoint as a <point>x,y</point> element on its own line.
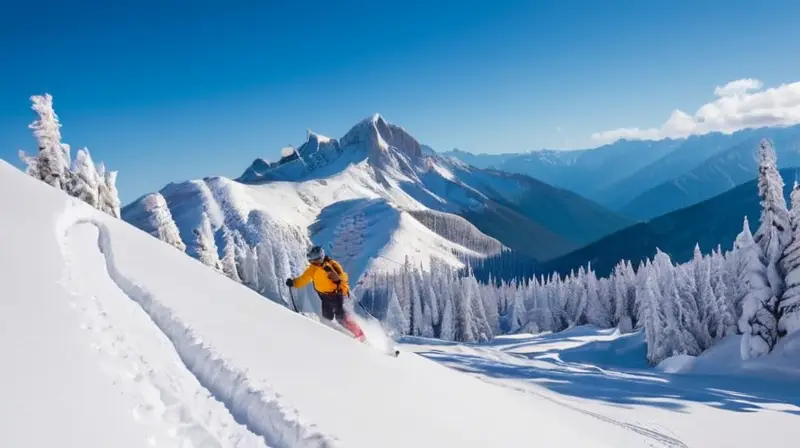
<point>330,282</point>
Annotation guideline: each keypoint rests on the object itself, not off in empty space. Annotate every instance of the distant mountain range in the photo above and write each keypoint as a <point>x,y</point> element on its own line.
<point>644,179</point>
<point>712,222</point>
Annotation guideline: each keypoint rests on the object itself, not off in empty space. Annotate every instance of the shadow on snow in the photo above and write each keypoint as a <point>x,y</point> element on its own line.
<point>612,371</point>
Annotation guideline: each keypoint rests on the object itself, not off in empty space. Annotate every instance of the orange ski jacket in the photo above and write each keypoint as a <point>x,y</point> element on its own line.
<point>322,279</point>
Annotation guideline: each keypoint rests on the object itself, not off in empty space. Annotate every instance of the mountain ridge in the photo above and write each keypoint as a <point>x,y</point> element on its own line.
<point>715,221</point>
<point>642,179</point>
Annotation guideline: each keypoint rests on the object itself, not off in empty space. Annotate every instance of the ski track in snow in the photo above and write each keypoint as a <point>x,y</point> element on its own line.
<point>663,439</point>
<point>258,409</point>
<point>658,437</point>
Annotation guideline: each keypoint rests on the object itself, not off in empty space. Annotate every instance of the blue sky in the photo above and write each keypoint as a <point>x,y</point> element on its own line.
<point>163,92</point>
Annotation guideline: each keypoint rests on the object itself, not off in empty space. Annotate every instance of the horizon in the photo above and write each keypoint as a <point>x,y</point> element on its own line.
<point>166,94</point>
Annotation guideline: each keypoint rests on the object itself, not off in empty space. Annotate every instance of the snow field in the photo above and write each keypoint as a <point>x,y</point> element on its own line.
<point>717,400</point>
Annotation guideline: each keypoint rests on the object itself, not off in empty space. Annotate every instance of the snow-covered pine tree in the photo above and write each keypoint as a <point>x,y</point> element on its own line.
<point>738,260</point>
<point>228,259</point>
<point>517,313</point>
<point>108,196</point>
<point>789,306</point>
<point>159,219</point>
<point>51,164</point>
<point>759,322</point>
<point>624,301</point>
<point>447,328</point>
<point>204,247</point>
<point>395,318</point>
<point>598,305</point>
<point>676,338</point>
<point>725,317</point>
<point>648,298</point>
<point>84,182</point>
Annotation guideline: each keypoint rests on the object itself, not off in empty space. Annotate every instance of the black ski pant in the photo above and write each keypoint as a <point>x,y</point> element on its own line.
<point>332,305</point>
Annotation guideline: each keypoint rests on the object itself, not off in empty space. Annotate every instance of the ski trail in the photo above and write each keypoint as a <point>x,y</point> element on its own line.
<point>256,407</point>
<point>655,435</point>
<point>662,438</point>
<point>166,399</point>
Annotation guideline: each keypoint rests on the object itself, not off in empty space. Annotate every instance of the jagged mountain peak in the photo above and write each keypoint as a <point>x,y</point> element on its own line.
<point>383,145</point>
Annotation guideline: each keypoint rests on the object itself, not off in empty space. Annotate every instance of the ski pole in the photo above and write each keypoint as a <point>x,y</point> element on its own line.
<point>291,296</point>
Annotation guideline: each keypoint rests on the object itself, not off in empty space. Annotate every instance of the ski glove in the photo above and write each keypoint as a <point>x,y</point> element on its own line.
<point>289,282</point>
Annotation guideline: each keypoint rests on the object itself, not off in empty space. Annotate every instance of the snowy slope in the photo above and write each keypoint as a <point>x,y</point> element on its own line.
<point>717,400</point>
<point>156,349</point>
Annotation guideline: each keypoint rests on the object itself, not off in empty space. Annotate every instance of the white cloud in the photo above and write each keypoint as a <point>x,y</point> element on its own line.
<point>739,105</point>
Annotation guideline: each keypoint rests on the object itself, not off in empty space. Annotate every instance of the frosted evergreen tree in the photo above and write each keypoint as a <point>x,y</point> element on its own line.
<point>517,313</point>
<point>204,247</point>
<point>647,297</point>
<point>738,260</point>
<point>465,313</point>
<point>687,305</point>
<point>597,304</point>
<point>395,318</point>
<point>705,300</point>
<point>85,182</point>
<point>622,282</point>
<point>491,304</point>
<point>51,164</point>
<point>228,259</point>
<point>759,322</point>
<point>789,307</point>
<point>416,316</point>
<point>676,338</point>
<point>725,314</point>
<point>159,219</point>
<point>447,330</point>
<point>108,197</point>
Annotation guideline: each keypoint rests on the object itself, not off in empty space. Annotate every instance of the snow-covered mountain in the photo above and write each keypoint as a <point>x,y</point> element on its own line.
<point>374,199</point>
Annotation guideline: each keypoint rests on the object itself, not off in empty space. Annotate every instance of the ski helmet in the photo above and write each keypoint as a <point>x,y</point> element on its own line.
<point>316,254</point>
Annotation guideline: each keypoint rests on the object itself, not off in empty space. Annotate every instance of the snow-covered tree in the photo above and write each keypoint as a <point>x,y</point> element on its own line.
<point>448,326</point>
<point>51,164</point>
<point>229,253</point>
<point>158,220</point>
<point>789,307</point>
<point>108,196</point>
<point>85,181</point>
<point>723,308</point>
<point>759,322</point>
<point>204,248</point>
<point>738,260</point>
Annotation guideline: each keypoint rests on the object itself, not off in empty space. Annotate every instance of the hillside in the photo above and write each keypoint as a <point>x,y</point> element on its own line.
<point>193,359</point>
<point>713,222</point>
<point>723,171</point>
<point>365,197</point>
